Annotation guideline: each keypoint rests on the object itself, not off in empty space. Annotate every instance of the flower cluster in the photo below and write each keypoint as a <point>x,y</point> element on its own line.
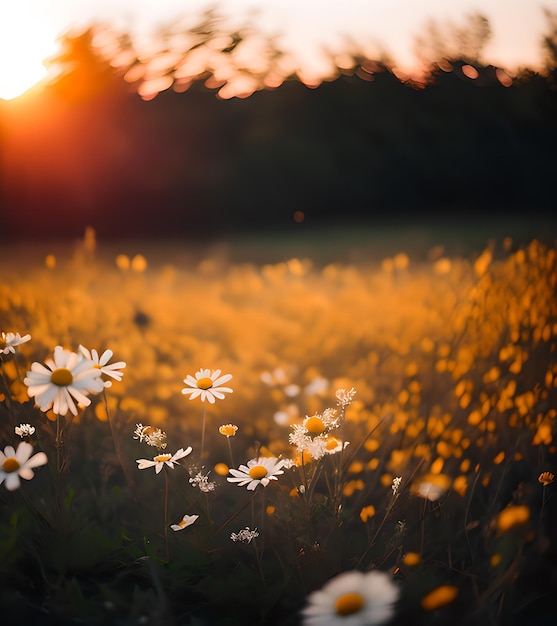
<point>24,430</point>
<point>313,435</point>
<point>202,482</point>
<point>345,397</point>
<point>151,436</point>
<point>245,535</point>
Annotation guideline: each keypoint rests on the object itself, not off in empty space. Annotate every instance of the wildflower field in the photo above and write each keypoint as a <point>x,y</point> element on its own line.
<point>202,439</point>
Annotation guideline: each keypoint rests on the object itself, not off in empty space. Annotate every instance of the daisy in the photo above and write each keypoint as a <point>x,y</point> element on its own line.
<point>207,385</point>
<point>257,471</point>
<point>186,521</point>
<point>101,363</point>
<point>163,459</point>
<point>8,342</point>
<point>67,377</point>
<point>352,599</point>
<point>18,464</point>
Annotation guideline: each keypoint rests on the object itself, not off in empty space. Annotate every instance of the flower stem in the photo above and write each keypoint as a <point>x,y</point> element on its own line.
<point>203,431</point>
<point>166,514</point>
<point>232,464</point>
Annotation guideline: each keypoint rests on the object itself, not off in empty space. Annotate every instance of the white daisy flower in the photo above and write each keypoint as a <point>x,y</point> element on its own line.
<point>163,459</point>
<point>18,464</point>
<point>102,363</point>
<point>9,341</point>
<point>67,377</point>
<point>186,521</point>
<point>24,430</point>
<point>207,385</point>
<point>257,471</point>
<point>353,599</point>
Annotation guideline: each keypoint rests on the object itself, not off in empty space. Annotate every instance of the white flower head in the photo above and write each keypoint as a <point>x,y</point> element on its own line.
<point>151,436</point>
<point>102,363</point>
<point>163,459</point>
<point>313,434</point>
<point>396,484</point>
<point>207,385</point>
<point>257,471</point>
<point>353,599</point>
<point>186,521</point>
<point>202,482</point>
<point>24,430</point>
<point>345,397</point>
<point>245,535</point>
<point>9,341</point>
<point>67,378</point>
<point>16,464</point>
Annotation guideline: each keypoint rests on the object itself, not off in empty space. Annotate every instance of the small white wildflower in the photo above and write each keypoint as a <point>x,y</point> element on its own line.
<point>163,459</point>
<point>245,535</point>
<point>16,464</point>
<point>258,471</point>
<point>113,370</point>
<point>345,397</point>
<point>353,598</point>
<point>396,484</point>
<point>151,436</point>
<point>186,521</point>
<point>207,385</point>
<point>202,482</point>
<point>9,341</point>
<point>24,430</point>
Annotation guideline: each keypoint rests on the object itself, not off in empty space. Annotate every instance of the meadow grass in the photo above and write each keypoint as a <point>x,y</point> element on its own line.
<point>439,468</point>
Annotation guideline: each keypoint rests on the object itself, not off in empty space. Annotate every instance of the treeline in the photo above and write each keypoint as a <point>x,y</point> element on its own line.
<point>88,151</point>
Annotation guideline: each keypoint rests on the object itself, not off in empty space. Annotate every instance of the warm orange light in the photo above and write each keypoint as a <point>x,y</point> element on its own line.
<point>25,43</point>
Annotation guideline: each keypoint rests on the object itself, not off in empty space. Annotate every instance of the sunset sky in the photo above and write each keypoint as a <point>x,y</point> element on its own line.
<point>28,28</point>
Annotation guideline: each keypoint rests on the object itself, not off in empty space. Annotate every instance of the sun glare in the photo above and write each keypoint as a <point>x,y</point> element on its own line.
<point>26,40</point>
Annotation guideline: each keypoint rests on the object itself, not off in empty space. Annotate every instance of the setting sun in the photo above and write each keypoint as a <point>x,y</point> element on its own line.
<point>26,40</point>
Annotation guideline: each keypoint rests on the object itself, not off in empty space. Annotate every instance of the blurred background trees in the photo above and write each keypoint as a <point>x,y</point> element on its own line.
<point>255,143</point>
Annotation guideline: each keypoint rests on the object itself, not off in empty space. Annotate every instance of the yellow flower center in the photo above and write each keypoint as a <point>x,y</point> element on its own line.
<point>61,377</point>
<point>349,603</point>
<point>161,458</point>
<point>257,472</point>
<point>204,383</point>
<point>10,465</point>
<point>315,426</point>
<point>332,443</point>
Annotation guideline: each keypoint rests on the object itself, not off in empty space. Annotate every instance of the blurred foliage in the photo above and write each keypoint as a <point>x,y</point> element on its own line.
<point>367,143</point>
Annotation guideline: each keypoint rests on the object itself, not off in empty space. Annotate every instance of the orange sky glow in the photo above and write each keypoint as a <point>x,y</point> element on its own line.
<point>29,28</point>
